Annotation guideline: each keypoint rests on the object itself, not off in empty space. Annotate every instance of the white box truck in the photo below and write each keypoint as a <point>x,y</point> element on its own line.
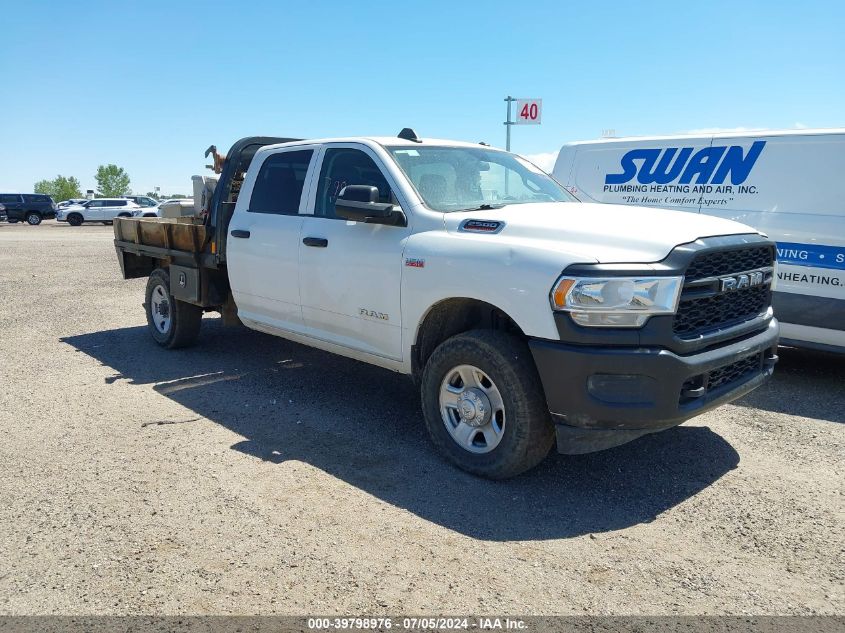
<point>786,184</point>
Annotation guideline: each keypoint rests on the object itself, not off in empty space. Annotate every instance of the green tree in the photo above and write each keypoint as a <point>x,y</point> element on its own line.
<point>60,188</point>
<point>112,181</point>
<point>152,194</point>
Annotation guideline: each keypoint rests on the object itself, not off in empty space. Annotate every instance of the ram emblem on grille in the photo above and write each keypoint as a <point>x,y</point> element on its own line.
<point>738,282</point>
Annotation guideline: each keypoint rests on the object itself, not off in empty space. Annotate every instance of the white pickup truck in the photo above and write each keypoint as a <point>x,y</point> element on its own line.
<point>526,316</point>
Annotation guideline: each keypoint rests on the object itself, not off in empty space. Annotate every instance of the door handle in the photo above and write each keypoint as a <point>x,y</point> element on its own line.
<point>319,242</point>
<point>240,233</point>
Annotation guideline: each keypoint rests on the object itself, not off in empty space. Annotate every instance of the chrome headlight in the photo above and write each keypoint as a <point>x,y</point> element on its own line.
<point>616,301</point>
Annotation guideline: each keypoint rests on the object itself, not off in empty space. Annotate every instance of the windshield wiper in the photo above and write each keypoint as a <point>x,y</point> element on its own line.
<point>483,207</point>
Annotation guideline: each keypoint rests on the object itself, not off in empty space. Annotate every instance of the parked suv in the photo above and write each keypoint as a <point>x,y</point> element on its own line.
<point>149,205</point>
<point>32,207</point>
<point>98,210</point>
<point>70,201</point>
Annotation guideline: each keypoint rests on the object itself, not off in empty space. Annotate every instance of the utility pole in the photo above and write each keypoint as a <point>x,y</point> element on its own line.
<point>508,124</point>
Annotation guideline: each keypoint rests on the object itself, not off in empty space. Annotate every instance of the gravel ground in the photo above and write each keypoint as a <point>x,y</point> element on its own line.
<point>253,475</point>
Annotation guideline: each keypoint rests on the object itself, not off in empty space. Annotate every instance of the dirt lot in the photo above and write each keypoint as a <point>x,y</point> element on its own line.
<point>253,475</point>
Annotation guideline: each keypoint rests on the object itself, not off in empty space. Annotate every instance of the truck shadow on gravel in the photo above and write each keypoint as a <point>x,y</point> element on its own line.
<point>363,425</point>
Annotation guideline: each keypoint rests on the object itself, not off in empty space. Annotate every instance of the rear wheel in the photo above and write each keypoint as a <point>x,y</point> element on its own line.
<point>171,322</point>
<point>484,406</point>
<point>33,218</point>
<point>74,219</point>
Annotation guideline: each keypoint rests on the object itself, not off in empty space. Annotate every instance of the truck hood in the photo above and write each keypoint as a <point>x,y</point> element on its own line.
<point>602,233</point>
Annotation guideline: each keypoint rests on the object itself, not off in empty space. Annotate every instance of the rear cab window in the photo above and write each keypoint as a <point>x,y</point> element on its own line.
<point>278,186</point>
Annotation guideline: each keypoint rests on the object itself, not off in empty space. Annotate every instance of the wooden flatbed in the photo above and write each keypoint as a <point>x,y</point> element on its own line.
<point>179,234</point>
<point>182,245</point>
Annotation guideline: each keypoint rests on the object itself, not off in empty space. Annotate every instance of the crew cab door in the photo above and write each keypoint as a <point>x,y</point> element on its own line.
<point>350,272</point>
<point>262,247</point>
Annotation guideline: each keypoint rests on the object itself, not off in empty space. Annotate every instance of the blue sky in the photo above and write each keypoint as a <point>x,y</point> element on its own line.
<point>149,85</point>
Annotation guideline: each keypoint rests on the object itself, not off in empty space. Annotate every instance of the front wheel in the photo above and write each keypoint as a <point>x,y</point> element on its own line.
<point>74,219</point>
<point>483,404</point>
<point>172,323</point>
<point>33,219</point>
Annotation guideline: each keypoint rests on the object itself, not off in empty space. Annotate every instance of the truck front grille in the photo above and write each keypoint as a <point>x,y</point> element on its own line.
<point>704,308</point>
<point>700,315</point>
<point>719,263</point>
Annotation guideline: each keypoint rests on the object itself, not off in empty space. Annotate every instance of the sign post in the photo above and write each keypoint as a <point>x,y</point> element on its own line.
<point>508,124</point>
<point>528,112</point>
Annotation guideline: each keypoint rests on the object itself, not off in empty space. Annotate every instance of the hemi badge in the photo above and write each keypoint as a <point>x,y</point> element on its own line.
<point>413,262</point>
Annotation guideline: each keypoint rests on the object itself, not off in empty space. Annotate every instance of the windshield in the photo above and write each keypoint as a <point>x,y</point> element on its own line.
<point>468,178</point>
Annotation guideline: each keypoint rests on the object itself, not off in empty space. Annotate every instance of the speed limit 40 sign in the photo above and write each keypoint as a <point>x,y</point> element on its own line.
<point>528,111</point>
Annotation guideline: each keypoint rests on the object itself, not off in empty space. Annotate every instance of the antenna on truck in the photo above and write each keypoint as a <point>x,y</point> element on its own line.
<point>409,135</point>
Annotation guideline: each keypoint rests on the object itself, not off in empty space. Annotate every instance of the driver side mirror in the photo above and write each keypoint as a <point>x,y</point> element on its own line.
<point>359,203</point>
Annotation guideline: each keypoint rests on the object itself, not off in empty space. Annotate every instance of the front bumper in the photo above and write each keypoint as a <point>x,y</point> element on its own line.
<point>601,397</point>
